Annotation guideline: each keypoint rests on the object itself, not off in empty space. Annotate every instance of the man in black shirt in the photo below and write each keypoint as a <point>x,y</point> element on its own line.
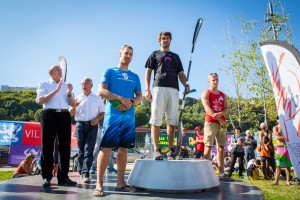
<point>164,97</point>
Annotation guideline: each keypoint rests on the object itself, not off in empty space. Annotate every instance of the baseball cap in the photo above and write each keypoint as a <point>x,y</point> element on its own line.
<point>185,129</point>
<point>247,131</point>
<point>198,128</point>
<point>263,125</point>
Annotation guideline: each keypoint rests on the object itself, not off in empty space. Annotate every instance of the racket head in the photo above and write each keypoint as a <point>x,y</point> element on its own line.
<point>63,65</point>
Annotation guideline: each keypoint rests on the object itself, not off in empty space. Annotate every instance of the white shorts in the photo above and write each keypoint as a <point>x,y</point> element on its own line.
<point>165,100</point>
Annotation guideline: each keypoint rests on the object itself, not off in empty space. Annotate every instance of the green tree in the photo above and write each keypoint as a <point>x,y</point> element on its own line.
<point>142,115</point>
<point>245,64</point>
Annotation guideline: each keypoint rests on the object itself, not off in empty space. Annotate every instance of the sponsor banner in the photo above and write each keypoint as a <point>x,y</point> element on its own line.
<point>17,153</point>
<point>283,63</point>
<point>6,132</point>
<point>17,133</point>
<point>73,136</point>
<point>163,143</point>
<point>32,134</point>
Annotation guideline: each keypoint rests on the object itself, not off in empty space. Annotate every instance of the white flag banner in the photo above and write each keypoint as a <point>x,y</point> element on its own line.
<point>283,63</point>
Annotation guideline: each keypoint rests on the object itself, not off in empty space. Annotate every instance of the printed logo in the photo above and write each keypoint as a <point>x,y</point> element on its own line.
<point>125,76</point>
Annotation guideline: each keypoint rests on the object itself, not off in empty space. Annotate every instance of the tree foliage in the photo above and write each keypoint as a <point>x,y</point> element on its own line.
<point>245,65</point>
<point>18,105</point>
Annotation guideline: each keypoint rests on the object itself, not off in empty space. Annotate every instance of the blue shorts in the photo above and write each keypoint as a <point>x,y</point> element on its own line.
<point>118,131</point>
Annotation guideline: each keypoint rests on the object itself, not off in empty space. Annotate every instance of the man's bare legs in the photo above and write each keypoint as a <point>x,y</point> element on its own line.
<point>277,174</point>
<point>171,133</point>
<point>220,157</point>
<point>155,131</point>
<point>102,162</point>
<point>207,152</point>
<point>121,164</point>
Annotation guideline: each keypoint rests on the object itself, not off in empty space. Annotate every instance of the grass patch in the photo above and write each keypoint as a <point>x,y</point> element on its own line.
<point>6,175</point>
<point>278,192</point>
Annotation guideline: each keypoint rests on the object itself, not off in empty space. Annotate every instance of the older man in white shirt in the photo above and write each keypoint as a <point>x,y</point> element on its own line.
<point>55,96</point>
<point>88,111</point>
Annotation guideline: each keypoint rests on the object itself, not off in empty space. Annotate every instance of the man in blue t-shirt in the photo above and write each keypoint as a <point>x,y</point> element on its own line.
<point>122,90</point>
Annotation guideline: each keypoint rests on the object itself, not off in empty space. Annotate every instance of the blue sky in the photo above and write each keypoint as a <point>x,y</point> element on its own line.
<point>90,33</point>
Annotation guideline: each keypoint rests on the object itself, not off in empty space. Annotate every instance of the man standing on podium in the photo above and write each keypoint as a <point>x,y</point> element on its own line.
<point>55,96</point>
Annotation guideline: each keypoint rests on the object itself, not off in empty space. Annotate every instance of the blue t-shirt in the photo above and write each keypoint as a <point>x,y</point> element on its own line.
<point>122,83</point>
<point>185,140</point>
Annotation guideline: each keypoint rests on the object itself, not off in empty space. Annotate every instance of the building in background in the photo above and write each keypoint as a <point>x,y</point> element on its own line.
<point>10,88</point>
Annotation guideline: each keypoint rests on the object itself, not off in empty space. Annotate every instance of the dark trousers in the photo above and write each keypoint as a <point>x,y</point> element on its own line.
<point>199,154</point>
<point>249,155</point>
<point>234,156</point>
<point>86,135</point>
<point>55,123</point>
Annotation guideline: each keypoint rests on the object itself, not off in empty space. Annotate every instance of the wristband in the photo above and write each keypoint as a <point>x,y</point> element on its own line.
<point>132,101</point>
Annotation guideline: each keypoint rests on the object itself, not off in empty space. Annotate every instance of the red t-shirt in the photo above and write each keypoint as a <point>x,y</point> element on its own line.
<point>216,102</point>
<point>199,146</point>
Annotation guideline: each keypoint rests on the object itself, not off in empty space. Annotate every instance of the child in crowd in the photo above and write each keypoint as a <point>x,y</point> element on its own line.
<point>265,151</point>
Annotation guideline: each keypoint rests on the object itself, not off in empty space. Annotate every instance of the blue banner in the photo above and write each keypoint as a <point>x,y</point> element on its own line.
<point>6,132</point>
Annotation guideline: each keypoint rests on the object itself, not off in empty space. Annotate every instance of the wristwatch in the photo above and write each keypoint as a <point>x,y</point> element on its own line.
<point>132,101</point>
<point>69,95</point>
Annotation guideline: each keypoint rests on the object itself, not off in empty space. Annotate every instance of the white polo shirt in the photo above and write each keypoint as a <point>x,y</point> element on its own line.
<point>89,108</point>
<point>59,101</point>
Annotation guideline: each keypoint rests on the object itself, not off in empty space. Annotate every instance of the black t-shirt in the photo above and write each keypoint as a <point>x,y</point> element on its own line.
<point>166,66</point>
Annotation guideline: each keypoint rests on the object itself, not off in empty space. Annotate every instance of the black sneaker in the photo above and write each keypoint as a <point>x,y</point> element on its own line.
<point>46,183</point>
<point>67,181</point>
<point>112,171</point>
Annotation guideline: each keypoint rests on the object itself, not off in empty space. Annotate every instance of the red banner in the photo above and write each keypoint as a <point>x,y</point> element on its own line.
<point>73,136</point>
<point>31,134</point>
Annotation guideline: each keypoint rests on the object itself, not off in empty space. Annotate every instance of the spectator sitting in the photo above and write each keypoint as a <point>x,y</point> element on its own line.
<point>26,166</point>
<point>75,162</point>
<point>227,162</point>
<point>253,169</point>
<point>214,162</point>
<point>38,168</point>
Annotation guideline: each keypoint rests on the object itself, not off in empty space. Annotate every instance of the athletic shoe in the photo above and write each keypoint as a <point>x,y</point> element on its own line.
<point>113,170</point>
<point>226,178</point>
<point>67,181</point>
<point>86,178</point>
<point>93,171</point>
<point>46,183</point>
<point>171,154</point>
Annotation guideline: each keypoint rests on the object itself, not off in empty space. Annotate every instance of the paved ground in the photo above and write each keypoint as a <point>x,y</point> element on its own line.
<point>29,188</point>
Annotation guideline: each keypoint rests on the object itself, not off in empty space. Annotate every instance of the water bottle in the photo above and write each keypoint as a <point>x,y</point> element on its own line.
<point>115,104</point>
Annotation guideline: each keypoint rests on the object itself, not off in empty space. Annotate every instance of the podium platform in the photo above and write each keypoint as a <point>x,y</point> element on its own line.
<point>173,176</point>
<point>29,188</point>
